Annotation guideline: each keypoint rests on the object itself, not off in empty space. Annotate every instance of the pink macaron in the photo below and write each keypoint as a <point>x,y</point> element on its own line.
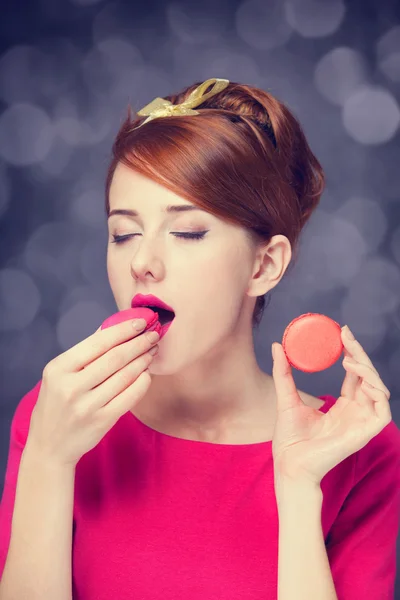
<point>139,312</point>
<point>312,342</point>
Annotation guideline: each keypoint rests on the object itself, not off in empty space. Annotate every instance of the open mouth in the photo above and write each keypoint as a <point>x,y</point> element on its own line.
<point>164,316</point>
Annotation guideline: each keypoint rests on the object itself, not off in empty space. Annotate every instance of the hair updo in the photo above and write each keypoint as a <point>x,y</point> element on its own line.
<point>244,159</point>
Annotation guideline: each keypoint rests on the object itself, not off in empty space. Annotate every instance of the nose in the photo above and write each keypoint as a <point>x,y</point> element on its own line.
<point>147,261</point>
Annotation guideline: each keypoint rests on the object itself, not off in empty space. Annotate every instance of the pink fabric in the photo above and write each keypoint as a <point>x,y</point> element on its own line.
<point>157,517</point>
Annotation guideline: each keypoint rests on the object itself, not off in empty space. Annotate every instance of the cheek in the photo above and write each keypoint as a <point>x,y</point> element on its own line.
<point>110,269</point>
<point>230,282</point>
<point>217,293</point>
<point>115,275</point>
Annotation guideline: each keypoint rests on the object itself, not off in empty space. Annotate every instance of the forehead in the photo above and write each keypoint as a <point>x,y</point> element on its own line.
<point>129,186</point>
<point>133,192</point>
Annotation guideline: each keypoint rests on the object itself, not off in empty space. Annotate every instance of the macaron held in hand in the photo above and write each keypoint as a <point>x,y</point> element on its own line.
<point>307,443</point>
<point>312,342</point>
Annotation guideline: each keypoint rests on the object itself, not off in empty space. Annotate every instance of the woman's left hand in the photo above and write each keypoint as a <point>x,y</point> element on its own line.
<point>308,443</point>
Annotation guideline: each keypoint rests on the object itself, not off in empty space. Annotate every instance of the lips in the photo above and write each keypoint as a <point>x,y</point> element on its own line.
<point>150,300</point>
<point>165,312</point>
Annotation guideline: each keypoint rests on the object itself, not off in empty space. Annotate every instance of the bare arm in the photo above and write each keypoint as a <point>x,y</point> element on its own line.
<point>39,559</point>
<point>303,566</point>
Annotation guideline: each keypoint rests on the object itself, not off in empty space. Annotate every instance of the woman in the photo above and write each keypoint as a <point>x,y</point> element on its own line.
<point>175,495</point>
<point>220,261</point>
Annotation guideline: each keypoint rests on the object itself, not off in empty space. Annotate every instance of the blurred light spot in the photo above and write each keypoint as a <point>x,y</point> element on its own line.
<point>235,66</point>
<point>78,129</point>
<point>364,320</point>
<point>371,115</point>
<point>87,207</point>
<point>339,73</point>
<point>62,64</point>
<point>53,251</point>
<point>22,70</point>
<point>193,25</point>
<point>80,321</point>
<point>315,18</point>
<point>111,21</point>
<point>368,217</point>
<point>14,350</point>
<point>108,69</point>
<point>30,74</point>
<point>331,255</point>
<point>28,349</point>
<point>76,295</point>
<point>379,173</point>
<point>56,162</point>
<point>5,190</point>
<point>26,134</point>
<point>262,25</point>
<point>19,299</point>
<point>388,51</point>
<point>93,260</point>
<point>395,244</point>
<point>73,131</point>
<point>222,61</point>
<point>377,285</point>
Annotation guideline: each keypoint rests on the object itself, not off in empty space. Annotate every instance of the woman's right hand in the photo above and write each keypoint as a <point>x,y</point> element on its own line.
<point>86,389</point>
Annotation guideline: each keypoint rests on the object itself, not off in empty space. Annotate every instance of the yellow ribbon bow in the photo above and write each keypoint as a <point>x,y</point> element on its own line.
<point>164,108</point>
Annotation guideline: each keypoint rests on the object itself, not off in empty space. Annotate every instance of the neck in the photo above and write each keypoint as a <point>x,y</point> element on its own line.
<point>221,395</point>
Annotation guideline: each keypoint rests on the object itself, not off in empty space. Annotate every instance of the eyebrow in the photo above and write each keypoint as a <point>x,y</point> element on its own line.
<point>177,208</point>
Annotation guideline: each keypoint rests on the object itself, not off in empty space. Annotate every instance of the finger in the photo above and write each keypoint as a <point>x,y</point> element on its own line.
<point>355,350</point>
<point>286,390</point>
<point>90,348</point>
<point>349,385</point>
<point>381,404</point>
<point>367,374</point>
<point>350,382</point>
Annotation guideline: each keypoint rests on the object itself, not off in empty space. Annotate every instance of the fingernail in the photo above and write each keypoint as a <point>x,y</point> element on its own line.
<point>153,336</point>
<point>139,324</point>
<point>349,333</point>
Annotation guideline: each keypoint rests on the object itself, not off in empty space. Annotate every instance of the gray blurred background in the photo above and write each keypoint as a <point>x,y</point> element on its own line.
<point>68,70</point>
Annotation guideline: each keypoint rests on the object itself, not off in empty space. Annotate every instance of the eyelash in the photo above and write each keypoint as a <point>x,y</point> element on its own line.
<point>120,239</point>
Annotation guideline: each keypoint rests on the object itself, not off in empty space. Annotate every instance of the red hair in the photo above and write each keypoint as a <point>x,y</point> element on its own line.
<point>244,159</point>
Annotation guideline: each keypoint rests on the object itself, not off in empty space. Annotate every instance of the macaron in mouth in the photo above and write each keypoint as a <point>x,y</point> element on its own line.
<point>159,320</point>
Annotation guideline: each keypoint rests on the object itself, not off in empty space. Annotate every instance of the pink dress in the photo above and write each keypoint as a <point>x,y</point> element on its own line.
<point>161,518</point>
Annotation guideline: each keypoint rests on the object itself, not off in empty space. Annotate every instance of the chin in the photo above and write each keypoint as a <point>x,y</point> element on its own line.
<point>160,366</point>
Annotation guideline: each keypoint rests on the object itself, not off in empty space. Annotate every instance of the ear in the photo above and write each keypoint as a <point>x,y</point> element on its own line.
<point>270,264</point>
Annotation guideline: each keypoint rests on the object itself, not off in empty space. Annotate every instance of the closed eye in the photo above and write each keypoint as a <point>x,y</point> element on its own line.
<point>198,235</point>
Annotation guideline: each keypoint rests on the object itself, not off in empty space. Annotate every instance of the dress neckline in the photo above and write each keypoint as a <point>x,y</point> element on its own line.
<point>328,402</point>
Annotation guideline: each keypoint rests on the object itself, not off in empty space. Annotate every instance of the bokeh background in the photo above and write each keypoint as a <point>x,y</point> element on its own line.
<point>69,69</point>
